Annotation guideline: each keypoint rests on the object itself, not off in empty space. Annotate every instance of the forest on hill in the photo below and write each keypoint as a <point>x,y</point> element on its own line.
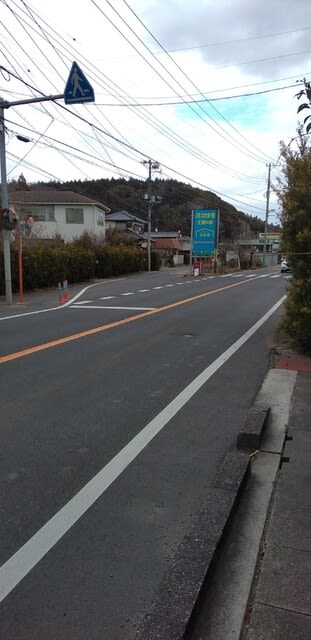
<point>176,201</point>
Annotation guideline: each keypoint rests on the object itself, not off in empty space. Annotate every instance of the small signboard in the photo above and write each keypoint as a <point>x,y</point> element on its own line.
<point>205,223</point>
<point>78,88</point>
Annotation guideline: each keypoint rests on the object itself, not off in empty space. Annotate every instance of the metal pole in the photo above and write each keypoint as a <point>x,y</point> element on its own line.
<point>191,243</point>
<point>5,205</point>
<point>266,218</point>
<point>59,96</point>
<point>4,104</point>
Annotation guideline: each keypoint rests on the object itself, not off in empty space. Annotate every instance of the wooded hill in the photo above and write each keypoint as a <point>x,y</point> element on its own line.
<point>174,211</point>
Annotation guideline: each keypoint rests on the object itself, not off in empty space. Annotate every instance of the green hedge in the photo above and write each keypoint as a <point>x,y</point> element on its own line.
<point>116,260</point>
<point>296,323</point>
<point>44,265</point>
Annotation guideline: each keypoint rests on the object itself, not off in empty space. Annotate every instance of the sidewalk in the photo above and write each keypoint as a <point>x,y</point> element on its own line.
<point>280,601</point>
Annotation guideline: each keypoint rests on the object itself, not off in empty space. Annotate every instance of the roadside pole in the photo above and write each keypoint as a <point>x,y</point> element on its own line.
<point>77,90</point>
<point>152,166</point>
<point>267,215</point>
<point>5,205</point>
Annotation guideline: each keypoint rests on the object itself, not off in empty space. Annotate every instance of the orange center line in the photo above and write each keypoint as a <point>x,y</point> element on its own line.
<point>112,325</point>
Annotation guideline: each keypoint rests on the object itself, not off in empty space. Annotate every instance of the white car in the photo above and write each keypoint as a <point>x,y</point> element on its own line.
<point>285,266</point>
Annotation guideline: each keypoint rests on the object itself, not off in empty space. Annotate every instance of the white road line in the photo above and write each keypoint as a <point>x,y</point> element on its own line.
<point>169,285</point>
<point>19,565</point>
<point>128,293</point>
<point>84,302</point>
<point>62,306</point>
<point>143,290</point>
<point>107,298</point>
<point>154,288</point>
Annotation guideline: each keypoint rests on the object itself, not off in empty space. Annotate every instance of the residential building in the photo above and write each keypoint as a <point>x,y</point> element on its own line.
<point>45,213</point>
<point>172,246</point>
<point>124,221</point>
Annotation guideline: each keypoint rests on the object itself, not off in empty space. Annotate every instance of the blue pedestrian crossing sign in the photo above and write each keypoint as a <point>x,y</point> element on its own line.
<point>78,88</point>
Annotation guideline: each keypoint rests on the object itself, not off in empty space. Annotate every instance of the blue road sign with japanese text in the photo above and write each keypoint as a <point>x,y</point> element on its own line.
<point>78,88</point>
<point>204,232</point>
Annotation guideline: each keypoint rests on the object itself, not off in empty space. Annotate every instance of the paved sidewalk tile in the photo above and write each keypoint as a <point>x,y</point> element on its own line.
<point>270,623</point>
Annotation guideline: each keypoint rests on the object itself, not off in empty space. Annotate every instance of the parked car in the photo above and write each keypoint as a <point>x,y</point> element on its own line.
<point>285,266</point>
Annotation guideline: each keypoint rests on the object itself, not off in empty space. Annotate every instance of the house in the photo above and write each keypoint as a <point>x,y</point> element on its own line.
<point>172,246</point>
<point>124,221</point>
<point>265,248</point>
<point>45,213</point>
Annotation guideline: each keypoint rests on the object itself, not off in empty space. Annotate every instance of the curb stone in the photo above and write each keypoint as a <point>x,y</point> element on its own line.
<point>179,592</point>
<point>249,438</point>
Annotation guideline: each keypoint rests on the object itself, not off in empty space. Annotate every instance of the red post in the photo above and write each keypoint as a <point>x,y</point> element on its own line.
<point>19,241</point>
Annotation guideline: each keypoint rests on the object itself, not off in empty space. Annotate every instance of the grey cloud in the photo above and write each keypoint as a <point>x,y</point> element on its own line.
<point>181,24</point>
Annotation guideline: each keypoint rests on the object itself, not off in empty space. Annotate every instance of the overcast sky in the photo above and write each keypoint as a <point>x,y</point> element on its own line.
<point>205,88</point>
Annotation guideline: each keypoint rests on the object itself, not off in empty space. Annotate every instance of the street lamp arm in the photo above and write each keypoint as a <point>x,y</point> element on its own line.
<point>5,104</point>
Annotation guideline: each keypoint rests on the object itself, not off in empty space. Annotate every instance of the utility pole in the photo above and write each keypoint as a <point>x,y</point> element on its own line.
<point>267,215</point>
<point>73,94</point>
<point>152,166</point>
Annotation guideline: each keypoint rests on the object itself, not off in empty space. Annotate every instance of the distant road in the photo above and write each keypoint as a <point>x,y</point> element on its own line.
<point>116,412</point>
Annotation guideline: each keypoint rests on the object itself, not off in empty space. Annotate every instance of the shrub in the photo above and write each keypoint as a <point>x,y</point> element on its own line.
<point>296,323</point>
<point>46,264</point>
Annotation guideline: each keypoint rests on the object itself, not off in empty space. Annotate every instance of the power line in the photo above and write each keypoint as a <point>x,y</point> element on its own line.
<point>197,101</point>
<point>233,142</point>
<point>174,171</point>
<point>237,40</point>
<point>173,136</point>
<point>187,77</point>
<point>189,148</point>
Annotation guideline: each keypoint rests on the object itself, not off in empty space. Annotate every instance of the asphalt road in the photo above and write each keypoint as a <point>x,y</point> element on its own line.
<point>116,411</point>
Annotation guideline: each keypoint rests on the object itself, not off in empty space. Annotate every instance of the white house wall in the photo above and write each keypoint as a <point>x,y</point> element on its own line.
<point>93,222</point>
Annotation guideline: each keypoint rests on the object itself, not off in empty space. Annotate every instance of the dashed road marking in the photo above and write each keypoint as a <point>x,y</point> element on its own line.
<point>103,307</point>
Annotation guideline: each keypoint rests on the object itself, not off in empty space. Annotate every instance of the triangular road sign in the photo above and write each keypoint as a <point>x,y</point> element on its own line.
<point>78,88</point>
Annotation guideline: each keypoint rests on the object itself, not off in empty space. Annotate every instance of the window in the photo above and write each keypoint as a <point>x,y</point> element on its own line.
<point>39,213</point>
<point>74,215</point>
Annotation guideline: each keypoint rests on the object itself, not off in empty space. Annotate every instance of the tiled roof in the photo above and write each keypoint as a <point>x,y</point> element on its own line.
<point>51,196</point>
<point>166,234</point>
<point>167,243</point>
<point>124,216</point>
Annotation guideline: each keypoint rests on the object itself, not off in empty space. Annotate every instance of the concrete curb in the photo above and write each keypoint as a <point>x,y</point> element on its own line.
<point>179,593</point>
<point>251,435</point>
<point>182,593</point>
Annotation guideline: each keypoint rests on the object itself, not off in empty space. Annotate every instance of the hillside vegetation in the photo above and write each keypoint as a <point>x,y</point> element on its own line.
<point>174,211</point>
